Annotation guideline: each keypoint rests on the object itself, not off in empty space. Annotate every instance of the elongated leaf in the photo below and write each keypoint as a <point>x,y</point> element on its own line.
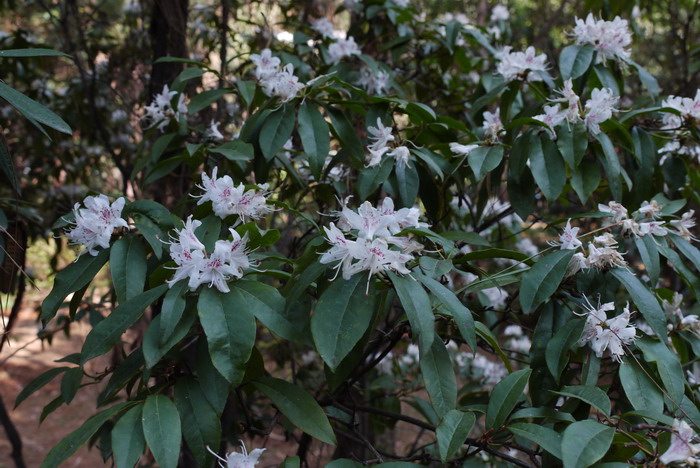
<point>341,318</point>
<point>547,167</point>
<point>584,443</point>
<point>612,165</point>
<point>38,383</point>
<point>505,396</point>
<point>572,141</point>
<point>543,436</point>
<point>30,52</point>
<point>276,130</point>
<point>543,279</point>
<point>77,438</point>
<point>214,386</point>
<point>161,428</point>
<point>153,349</point>
<point>484,159</point>
<point>557,352</point>
<point>33,110</point>
<point>107,333</point>
<point>236,150</point>
<point>452,432</point>
<point>594,396</point>
<point>72,278</point>
<point>574,61</point>
<point>230,331</point>
<point>686,248</point>
<point>667,363</point>
<point>127,438</point>
<point>171,311</point>
<point>315,136</point>
<point>462,316</point>
<point>199,418</point>
<point>542,413</point>
<point>650,256</point>
<point>439,377</point>
<point>640,389</point>
<point>585,181</point>
<point>644,300</point>
<point>371,178</point>
<point>298,406</point>
<point>70,383</point>
<point>416,304</point>
<point>408,183</point>
<point>127,261</point>
<point>205,99</point>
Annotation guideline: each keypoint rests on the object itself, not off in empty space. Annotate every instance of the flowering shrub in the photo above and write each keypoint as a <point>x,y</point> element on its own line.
<point>519,272</point>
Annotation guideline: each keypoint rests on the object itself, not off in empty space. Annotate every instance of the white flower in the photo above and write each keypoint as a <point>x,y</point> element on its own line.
<point>496,296</point>
<point>228,199</point>
<point>618,211</point>
<point>689,108</point>
<point>605,240</point>
<point>674,307</point>
<point>380,136</point>
<point>521,344</point>
<point>655,228</point>
<point>323,26</point>
<point>265,64</point>
<point>490,372</point>
<point>610,39</point>
<point>521,65</point>
<point>681,450</point>
<point>684,224</point>
<point>577,263</point>
<point>568,239</point>
<point>599,108</point>
<point>651,209</point>
<point>513,330</point>
<point>283,84</point>
<point>212,132</point>
<point>374,82</point>
<point>342,48</point>
<point>604,258</point>
<point>160,112</point>
<point>95,223</point>
<point>571,99</point>
<point>492,124</point>
<point>463,150</point>
<point>240,460</point>
<point>608,334</point>
<point>551,117</point>
<point>499,13</point>
<point>401,155</point>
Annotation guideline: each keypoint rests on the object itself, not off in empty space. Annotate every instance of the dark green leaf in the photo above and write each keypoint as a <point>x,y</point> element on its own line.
<point>33,110</point>
<point>38,383</point>
<point>408,183</point>
<point>612,165</point>
<point>667,363</point>
<point>585,180</point>
<point>484,159</point>
<point>161,428</point>
<point>557,352</point>
<point>547,167</point>
<point>641,391</point>
<point>315,136</point>
<point>644,300</point>
<point>452,432</point>
<point>543,436</point>
<point>594,396</point>
<point>70,383</point>
<point>205,99</point>
<point>199,418</point>
<point>584,443</point>
<point>30,52</point>
<point>543,279</point>
<point>416,304</point>
<point>276,130</point>
<point>505,396</point>
<point>236,150</point>
<point>153,348</point>
<point>127,438</point>
<point>650,256</point>
<point>127,262</point>
<point>574,61</point>
<point>572,141</point>
<point>439,377</point>
<point>9,170</point>
<point>171,311</point>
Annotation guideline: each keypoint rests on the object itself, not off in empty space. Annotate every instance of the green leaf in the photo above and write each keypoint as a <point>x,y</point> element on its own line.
<point>416,304</point>
<point>33,110</point>
<point>646,78</point>
<point>485,333</point>
<point>171,311</point>
<point>38,383</point>
<point>650,257</point>
<point>585,180</point>
<point>408,183</point>
<point>107,333</point>
<point>151,232</point>
<point>369,179</point>
<point>230,331</point>
<point>572,141</point>
<point>315,136</point>
<point>584,443</point>
<point>276,130</point>
<point>77,438</point>
<point>209,232</point>
<point>612,165</point>
<point>484,159</point>
<point>298,406</point>
<point>641,391</point>
<point>199,418</point>
<point>575,60</point>
<point>205,99</point>
<point>547,167</point>
<point>236,150</point>
<point>542,280</point>
<point>214,386</point>
<point>161,428</point>
<point>686,248</point>
<point>345,131</point>
<point>70,383</point>
<point>153,348</point>
<point>246,89</point>
<point>594,396</point>
<point>543,436</point>
<point>341,317</point>
<point>439,377</point>
<point>30,52</point>
<point>505,397</point>
<point>557,352</point>
<point>71,279</point>
<point>452,432</point>
<point>127,262</point>
<point>127,438</point>
<point>668,365</point>
<point>644,300</point>
<point>542,413</point>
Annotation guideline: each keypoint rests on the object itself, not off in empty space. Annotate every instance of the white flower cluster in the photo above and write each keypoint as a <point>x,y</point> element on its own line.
<point>228,199</point>
<point>597,109</point>
<point>607,333</point>
<point>602,252</point>
<point>682,449</point>
<point>276,81</point>
<point>521,65</point>
<point>653,226</point>
<point>489,372</point>
<point>518,341</point>
<point>492,124</point>
<point>228,259</point>
<point>499,13</point>
<point>342,48</point>
<point>324,27</point>
<point>374,82</point>
<point>610,39</point>
<point>244,459</point>
<point>95,223</point>
<point>380,137</point>
<point>689,108</point>
<point>160,112</point>
<point>374,230</point>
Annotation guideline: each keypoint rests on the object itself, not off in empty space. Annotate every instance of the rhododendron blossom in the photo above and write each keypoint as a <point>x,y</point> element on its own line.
<point>610,39</point>
<point>599,108</point>
<point>244,459</point>
<point>607,334</point>
<point>342,48</point>
<point>522,65</point>
<point>682,449</point>
<point>95,223</point>
<point>228,199</point>
<point>161,112</point>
